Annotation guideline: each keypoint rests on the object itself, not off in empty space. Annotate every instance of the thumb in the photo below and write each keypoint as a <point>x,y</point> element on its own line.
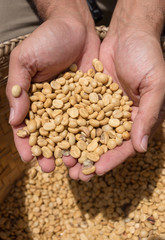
<point>18,75</point>
<point>150,105</point>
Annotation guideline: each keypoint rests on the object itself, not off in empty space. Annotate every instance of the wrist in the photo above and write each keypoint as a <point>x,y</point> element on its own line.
<point>139,15</point>
<point>73,10</point>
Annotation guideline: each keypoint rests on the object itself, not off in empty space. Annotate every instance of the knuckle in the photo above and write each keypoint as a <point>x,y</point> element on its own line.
<point>24,56</point>
<point>14,54</point>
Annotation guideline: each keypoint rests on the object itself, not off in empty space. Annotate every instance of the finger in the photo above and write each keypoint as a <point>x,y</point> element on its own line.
<point>74,171</point>
<point>18,75</point>
<point>147,116</point>
<point>69,161</point>
<point>72,163</point>
<point>24,152</point>
<point>161,118</point>
<point>114,157</point>
<point>83,177</point>
<point>91,51</point>
<point>47,165</point>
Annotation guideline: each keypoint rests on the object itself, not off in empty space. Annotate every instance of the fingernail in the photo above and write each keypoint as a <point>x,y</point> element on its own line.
<point>11,115</point>
<point>144,143</point>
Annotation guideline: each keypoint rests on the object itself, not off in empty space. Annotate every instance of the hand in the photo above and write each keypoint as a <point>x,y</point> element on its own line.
<point>60,41</point>
<point>132,55</point>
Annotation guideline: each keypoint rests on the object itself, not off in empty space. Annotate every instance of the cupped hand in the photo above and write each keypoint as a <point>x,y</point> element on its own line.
<point>135,61</point>
<point>50,49</point>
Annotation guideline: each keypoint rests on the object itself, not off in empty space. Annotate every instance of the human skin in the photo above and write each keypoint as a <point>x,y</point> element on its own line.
<point>66,36</point>
<point>131,53</point>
